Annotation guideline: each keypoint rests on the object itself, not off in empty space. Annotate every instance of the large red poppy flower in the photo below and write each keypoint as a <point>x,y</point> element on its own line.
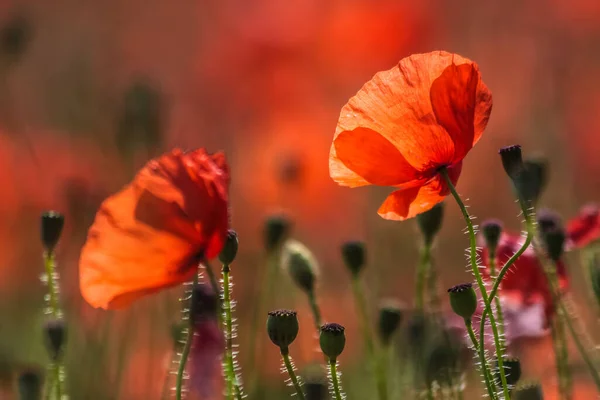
<point>585,228</point>
<point>152,233</point>
<point>405,124</point>
<point>525,283</point>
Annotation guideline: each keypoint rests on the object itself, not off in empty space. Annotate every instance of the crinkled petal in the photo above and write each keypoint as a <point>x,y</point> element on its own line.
<point>457,97</point>
<point>372,157</point>
<point>409,202</point>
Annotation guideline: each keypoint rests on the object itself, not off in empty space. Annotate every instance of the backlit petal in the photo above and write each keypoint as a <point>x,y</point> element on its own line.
<point>372,157</point>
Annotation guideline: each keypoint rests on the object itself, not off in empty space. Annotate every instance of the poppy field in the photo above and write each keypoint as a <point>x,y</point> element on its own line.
<point>352,199</point>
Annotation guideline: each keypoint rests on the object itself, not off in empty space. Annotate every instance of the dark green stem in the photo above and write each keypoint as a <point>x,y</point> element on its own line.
<point>314,308</point>
<point>485,370</point>
<point>335,383</point>
<point>185,353</point>
<point>498,304</point>
<point>422,273</point>
<point>56,368</point>
<point>233,386</point>
<point>285,354</point>
<point>475,269</point>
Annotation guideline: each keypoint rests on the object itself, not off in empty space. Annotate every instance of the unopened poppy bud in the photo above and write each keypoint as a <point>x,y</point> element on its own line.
<point>528,391</point>
<point>538,169</point>
<point>390,317</point>
<point>277,229</point>
<point>531,182</point>
<point>55,331</point>
<point>301,265</point>
<point>554,241</point>
<point>282,327</point>
<point>230,248</point>
<point>463,300</point>
<point>51,228</point>
<point>512,160</point>
<point>30,385</point>
<point>332,340</point>
<point>548,220</point>
<point>430,222</point>
<point>353,254</point>
<point>512,370</point>
<point>204,303</point>
<point>491,230</point>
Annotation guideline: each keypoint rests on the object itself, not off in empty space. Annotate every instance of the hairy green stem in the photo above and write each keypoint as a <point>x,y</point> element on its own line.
<point>497,303</point>
<point>485,370</point>
<point>185,352</point>
<point>285,354</point>
<point>233,386</point>
<point>364,321</point>
<point>335,383</point>
<point>314,309</point>
<point>561,356</point>
<point>56,368</point>
<point>475,269</point>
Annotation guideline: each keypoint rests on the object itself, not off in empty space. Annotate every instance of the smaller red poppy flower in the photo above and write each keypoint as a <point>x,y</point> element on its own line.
<point>525,283</point>
<point>152,234</point>
<point>405,125</point>
<point>585,228</point>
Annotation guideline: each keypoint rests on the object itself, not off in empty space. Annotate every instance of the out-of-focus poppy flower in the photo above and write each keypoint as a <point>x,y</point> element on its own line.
<point>585,228</point>
<point>406,124</point>
<point>525,283</point>
<point>152,233</point>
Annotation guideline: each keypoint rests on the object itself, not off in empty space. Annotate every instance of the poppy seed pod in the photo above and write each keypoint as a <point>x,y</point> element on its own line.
<point>230,249</point>
<point>548,220</point>
<point>528,391</point>
<point>463,300</point>
<point>52,223</point>
<point>554,240</point>
<point>55,331</point>
<point>30,385</point>
<point>354,256</point>
<point>538,168</point>
<point>491,230</point>
<point>299,261</point>
<point>276,231</point>
<point>512,370</point>
<point>512,160</point>
<point>390,317</point>
<point>530,183</point>
<point>332,340</point>
<point>430,222</point>
<point>204,303</point>
<point>282,327</point>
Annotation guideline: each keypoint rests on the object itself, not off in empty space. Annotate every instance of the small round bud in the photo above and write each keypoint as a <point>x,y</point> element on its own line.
<point>52,223</point>
<point>463,300</point>
<point>512,370</point>
<point>430,222</point>
<point>528,391</point>
<point>554,240</point>
<point>512,160</point>
<point>55,331</point>
<point>332,340</point>
<point>299,261</point>
<point>390,317</point>
<point>282,327</point>
<point>491,230</point>
<point>354,256</point>
<point>276,231</point>
<point>230,248</point>
<point>204,303</point>
<point>30,385</point>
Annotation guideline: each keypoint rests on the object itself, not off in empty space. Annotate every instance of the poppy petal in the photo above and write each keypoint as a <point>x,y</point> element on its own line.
<point>153,233</point>
<point>454,99</point>
<point>585,228</point>
<point>396,104</point>
<point>372,157</point>
<point>409,202</point>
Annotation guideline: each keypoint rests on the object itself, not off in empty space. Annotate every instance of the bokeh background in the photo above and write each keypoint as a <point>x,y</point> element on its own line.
<point>89,91</point>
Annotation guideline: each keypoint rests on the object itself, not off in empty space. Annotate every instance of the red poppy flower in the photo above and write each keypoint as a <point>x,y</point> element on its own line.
<point>405,124</point>
<point>525,282</point>
<point>152,233</point>
<point>585,228</point>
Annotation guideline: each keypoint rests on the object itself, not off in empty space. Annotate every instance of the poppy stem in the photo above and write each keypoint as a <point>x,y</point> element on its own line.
<point>422,274</point>
<point>475,269</point>
<point>335,380</point>
<point>233,386</point>
<point>289,367</point>
<point>315,310</point>
<point>497,303</point>
<point>480,349</point>
<point>377,362</point>
<point>185,352</point>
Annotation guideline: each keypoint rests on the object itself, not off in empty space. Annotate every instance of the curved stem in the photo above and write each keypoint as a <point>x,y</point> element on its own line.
<point>497,303</point>
<point>422,273</point>
<point>233,386</point>
<point>314,308</point>
<point>380,370</point>
<point>285,354</point>
<point>482,359</point>
<point>334,380</point>
<point>475,269</point>
<point>184,354</point>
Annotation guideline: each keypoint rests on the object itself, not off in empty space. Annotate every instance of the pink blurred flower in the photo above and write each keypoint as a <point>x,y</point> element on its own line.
<point>584,228</point>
